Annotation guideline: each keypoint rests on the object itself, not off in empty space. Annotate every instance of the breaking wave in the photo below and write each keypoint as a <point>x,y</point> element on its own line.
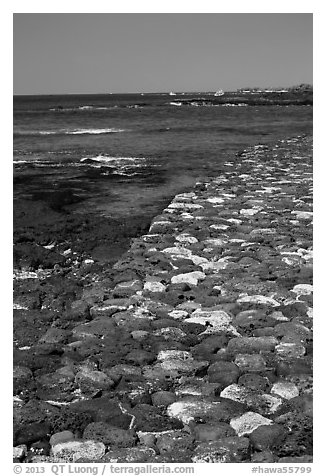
<point>111,130</point>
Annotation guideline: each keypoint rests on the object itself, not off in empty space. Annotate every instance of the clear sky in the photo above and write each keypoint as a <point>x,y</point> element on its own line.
<point>57,53</point>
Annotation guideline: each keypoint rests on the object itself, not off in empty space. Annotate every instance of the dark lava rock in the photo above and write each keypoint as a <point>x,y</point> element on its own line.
<point>267,436</point>
<point>55,386</point>
<point>30,255</point>
<point>42,447</point>
<point>96,328</point>
<point>294,367</point>
<point>248,345</point>
<point>149,418</point>
<point>79,310</point>
<point>100,409</point>
<point>176,443</point>
<point>39,364</point>
<point>254,381</point>
<point>22,379</point>
<point>224,373</point>
<point>55,335</point>
<point>163,398</point>
<point>210,345</point>
<point>299,440</point>
<point>110,435</point>
<point>32,432</point>
<point>252,319</point>
<point>91,381</point>
<point>30,325</point>
<point>140,357</point>
<point>134,392</point>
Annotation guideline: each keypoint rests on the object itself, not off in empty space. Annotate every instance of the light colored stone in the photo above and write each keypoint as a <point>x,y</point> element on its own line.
<point>178,314</point>
<point>174,354</point>
<point>216,200</point>
<point>154,287</point>
<point>219,227</point>
<point>235,392</point>
<point>216,241</point>
<point>90,450</point>
<point>303,289</point>
<point>67,448</point>
<point>285,390</point>
<point>216,321</point>
<point>302,215</point>
<point>177,366</point>
<point>258,299</point>
<point>19,451</point>
<point>248,212</point>
<point>189,278</point>
<point>185,238</point>
<point>61,437</point>
<point>183,206</point>
<point>214,266</point>
<point>248,422</point>
<point>186,411</point>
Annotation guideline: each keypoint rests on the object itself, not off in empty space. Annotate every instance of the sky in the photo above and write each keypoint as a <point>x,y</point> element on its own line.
<point>59,53</point>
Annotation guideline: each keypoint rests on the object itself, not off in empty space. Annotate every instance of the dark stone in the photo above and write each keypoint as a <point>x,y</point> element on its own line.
<point>163,398</point>
<point>109,435</point>
<point>140,357</point>
<point>41,448</point>
<point>223,372</point>
<point>149,418</point>
<point>254,381</point>
<point>267,436</point>
<point>32,432</point>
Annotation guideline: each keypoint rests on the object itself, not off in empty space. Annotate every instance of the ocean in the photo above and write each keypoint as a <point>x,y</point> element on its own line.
<point>129,154</point>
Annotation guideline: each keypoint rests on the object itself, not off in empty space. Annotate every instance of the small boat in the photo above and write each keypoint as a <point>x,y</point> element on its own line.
<point>220,92</point>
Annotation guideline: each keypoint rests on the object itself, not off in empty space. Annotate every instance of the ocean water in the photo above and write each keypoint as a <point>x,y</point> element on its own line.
<point>122,155</point>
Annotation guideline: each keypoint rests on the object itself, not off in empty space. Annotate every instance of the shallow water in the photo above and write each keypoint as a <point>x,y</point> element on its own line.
<point>129,154</point>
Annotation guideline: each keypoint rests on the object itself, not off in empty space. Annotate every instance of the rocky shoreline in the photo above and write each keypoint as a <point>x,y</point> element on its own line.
<point>196,346</point>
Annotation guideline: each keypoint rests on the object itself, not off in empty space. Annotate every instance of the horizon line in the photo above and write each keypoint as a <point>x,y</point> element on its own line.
<point>161,92</point>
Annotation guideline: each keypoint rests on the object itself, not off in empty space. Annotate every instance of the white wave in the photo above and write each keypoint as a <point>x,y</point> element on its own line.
<point>103,159</point>
<point>176,103</point>
<point>94,131</point>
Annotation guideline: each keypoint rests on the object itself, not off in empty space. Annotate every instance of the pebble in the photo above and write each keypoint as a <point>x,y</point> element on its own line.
<point>109,435</point>
<point>267,436</point>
